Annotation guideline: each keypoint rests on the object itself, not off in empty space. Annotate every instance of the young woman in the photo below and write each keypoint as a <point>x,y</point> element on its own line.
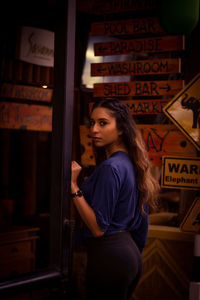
<point>113,202</point>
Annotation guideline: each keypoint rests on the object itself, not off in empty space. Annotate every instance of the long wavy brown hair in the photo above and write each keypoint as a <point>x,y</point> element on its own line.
<point>148,186</point>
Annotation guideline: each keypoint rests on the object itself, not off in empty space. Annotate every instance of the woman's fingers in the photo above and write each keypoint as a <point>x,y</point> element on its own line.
<point>75,167</point>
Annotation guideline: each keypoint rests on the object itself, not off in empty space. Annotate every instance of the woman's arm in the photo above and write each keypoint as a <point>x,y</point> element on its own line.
<point>86,212</point>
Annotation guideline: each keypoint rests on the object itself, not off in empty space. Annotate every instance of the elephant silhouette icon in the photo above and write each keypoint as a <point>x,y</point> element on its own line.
<point>192,103</point>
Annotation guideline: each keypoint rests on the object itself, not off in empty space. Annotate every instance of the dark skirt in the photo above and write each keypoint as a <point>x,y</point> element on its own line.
<point>114,267</point>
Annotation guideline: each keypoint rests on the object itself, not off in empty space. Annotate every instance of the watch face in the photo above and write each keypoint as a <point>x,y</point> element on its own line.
<point>79,193</point>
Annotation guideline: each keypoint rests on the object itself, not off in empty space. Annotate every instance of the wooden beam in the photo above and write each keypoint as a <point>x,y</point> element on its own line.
<point>138,88</point>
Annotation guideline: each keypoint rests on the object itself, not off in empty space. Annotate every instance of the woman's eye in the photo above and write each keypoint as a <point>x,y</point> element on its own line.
<point>91,123</point>
<point>102,123</point>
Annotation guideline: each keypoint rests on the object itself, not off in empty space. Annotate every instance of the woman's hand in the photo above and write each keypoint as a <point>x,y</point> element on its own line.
<point>75,171</point>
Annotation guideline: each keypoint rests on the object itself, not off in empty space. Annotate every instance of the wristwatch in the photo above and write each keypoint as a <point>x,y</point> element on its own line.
<point>79,193</point>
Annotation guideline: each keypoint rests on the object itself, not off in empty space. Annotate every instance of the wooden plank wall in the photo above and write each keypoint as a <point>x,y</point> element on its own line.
<point>16,71</point>
<point>20,89</point>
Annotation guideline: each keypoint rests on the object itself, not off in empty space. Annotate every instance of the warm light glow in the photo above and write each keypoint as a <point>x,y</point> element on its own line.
<point>87,80</point>
<point>44,86</point>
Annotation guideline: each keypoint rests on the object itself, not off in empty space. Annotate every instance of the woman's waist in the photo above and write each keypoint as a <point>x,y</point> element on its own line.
<point>110,239</point>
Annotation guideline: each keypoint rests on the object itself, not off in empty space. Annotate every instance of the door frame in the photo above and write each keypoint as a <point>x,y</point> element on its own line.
<point>61,227</point>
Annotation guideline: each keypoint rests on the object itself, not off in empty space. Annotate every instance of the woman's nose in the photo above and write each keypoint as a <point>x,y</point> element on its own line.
<point>94,128</point>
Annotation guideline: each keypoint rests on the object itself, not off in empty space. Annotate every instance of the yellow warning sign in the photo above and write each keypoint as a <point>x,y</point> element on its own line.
<point>180,172</point>
<point>184,110</point>
<point>191,221</point>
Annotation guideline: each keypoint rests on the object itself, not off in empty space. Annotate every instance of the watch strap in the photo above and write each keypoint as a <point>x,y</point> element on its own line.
<point>78,193</point>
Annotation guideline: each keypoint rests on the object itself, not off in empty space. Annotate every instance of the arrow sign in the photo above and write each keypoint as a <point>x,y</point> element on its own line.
<point>137,46</point>
<point>167,88</point>
<point>100,70</point>
<point>137,67</point>
<point>102,48</point>
<point>138,88</point>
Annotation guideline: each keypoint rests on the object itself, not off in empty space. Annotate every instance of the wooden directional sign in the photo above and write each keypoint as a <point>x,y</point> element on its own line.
<point>113,6</point>
<point>159,139</point>
<point>191,221</point>
<point>87,156</point>
<point>137,67</point>
<point>144,107</point>
<point>180,172</point>
<point>25,116</point>
<point>138,88</point>
<point>138,46</point>
<point>184,111</point>
<point>126,27</point>
<point>165,140</point>
<point>23,92</point>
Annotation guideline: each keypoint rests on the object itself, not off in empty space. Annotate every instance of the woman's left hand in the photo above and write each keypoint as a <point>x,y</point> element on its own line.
<point>75,171</point>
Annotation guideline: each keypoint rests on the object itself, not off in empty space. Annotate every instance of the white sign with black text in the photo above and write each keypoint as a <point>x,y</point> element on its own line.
<point>36,46</point>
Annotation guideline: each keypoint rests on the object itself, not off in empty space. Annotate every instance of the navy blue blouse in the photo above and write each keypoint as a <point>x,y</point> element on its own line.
<point>112,193</point>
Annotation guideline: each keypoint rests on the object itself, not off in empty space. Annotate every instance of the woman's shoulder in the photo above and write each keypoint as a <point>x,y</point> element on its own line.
<point>117,161</point>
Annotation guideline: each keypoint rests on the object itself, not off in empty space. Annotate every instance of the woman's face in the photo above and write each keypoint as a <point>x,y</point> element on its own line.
<point>103,128</point>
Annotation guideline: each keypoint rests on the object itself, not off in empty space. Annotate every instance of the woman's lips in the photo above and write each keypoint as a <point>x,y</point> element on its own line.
<point>96,139</point>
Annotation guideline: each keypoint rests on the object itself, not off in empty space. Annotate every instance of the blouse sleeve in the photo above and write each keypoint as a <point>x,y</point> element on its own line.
<point>104,195</point>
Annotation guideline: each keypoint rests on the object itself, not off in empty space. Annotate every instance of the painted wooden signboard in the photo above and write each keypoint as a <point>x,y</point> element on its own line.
<point>144,107</point>
<point>184,111</point>
<point>163,140</point>
<point>24,92</point>
<point>191,221</point>
<point>25,116</point>
<point>138,88</point>
<point>180,172</point>
<point>127,27</point>
<point>113,6</point>
<point>142,45</point>
<point>160,140</point>
<point>137,67</point>
<point>87,156</point>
